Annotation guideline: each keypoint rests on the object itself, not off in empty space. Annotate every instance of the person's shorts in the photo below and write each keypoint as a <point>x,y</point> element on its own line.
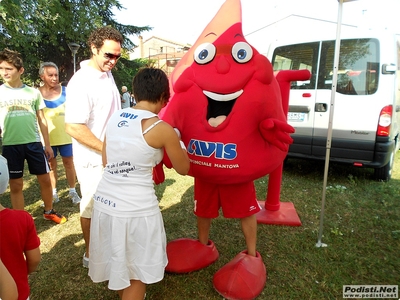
<point>88,178</point>
<point>64,150</point>
<point>33,153</point>
<point>236,200</point>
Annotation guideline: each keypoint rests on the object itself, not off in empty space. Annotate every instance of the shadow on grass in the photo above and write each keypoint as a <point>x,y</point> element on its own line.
<point>61,275</point>
<point>160,188</point>
<point>33,200</point>
<point>316,168</point>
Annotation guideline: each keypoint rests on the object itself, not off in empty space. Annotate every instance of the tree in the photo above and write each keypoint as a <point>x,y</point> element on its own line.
<point>125,70</point>
<point>41,30</point>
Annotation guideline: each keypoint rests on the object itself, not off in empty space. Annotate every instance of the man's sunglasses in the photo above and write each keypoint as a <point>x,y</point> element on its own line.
<point>111,56</point>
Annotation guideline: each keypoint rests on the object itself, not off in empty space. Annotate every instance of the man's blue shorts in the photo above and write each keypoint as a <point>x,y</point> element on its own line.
<point>64,150</point>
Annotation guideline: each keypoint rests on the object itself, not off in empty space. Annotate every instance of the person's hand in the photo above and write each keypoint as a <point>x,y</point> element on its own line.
<point>277,133</point>
<point>49,152</point>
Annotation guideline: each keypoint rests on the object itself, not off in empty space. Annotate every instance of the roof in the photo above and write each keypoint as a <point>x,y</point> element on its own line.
<point>168,41</point>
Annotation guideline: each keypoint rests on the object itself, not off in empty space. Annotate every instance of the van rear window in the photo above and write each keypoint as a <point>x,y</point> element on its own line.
<point>297,57</point>
<point>358,72</point>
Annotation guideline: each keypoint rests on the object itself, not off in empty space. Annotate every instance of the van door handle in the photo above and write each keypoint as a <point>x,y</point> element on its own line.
<point>299,108</point>
<point>321,107</point>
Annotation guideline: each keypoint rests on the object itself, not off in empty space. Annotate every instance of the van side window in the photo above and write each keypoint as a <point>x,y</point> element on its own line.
<point>358,71</point>
<point>297,57</point>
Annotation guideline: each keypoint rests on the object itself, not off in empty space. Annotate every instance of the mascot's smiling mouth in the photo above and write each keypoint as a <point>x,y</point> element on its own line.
<point>219,106</point>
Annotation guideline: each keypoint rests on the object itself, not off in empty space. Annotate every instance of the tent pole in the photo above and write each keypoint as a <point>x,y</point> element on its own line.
<point>331,111</point>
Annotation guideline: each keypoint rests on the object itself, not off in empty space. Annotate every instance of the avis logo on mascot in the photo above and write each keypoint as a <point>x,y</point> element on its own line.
<point>227,107</point>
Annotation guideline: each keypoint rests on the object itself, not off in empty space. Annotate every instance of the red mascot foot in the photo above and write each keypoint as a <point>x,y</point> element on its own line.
<point>187,255</point>
<point>242,278</point>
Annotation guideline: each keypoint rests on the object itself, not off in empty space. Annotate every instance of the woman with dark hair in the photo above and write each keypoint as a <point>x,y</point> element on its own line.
<point>127,241</point>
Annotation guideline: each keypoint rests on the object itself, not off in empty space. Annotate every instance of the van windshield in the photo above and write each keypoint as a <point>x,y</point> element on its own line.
<point>358,72</point>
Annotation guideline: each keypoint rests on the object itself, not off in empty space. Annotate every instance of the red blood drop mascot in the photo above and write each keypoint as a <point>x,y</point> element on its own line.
<point>227,106</point>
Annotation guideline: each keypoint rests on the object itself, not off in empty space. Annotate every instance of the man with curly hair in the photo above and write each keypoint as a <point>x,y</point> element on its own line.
<point>91,99</point>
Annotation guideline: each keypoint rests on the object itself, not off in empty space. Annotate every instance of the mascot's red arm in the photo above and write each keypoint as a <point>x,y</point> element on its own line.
<point>275,131</point>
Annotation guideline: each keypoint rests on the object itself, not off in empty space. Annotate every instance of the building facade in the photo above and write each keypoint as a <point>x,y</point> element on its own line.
<point>163,53</point>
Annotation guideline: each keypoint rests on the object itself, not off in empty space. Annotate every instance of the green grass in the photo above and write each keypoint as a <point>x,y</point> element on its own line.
<point>361,229</point>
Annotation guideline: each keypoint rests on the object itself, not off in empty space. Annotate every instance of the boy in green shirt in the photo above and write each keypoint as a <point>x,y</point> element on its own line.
<point>20,116</point>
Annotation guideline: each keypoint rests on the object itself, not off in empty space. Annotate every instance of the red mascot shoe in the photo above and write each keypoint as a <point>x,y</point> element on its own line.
<point>243,278</point>
<point>187,255</point>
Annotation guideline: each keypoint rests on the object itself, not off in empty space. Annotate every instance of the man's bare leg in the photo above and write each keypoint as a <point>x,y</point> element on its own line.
<point>203,227</point>
<point>249,228</point>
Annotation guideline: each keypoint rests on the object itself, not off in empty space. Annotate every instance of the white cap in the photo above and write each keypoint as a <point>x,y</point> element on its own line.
<point>4,177</point>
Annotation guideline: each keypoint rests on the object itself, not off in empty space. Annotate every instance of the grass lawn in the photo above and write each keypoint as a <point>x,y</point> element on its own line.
<point>361,229</point>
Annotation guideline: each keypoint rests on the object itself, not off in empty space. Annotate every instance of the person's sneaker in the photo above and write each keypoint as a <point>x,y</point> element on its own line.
<point>74,197</point>
<point>55,200</point>
<point>55,217</point>
<point>85,261</point>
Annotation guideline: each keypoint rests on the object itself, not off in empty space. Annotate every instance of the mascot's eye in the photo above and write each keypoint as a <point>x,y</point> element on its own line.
<point>242,52</point>
<point>204,53</point>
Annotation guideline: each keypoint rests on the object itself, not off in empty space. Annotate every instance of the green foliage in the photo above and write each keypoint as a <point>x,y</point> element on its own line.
<point>125,70</point>
<point>42,29</point>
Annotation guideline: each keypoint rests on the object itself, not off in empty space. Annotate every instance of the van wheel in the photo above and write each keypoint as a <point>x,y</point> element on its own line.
<point>385,173</point>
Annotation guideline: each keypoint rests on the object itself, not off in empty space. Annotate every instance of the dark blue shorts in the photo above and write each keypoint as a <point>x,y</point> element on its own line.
<point>64,150</point>
<point>34,155</point>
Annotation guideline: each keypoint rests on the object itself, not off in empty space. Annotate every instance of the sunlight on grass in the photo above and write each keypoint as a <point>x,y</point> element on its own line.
<point>173,189</point>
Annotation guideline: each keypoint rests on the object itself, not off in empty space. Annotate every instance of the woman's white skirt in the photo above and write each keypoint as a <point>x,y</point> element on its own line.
<point>126,248</point>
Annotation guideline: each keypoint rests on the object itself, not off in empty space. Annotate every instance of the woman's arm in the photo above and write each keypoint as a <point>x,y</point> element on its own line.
<point>104,153</point>
<point>164,136</point>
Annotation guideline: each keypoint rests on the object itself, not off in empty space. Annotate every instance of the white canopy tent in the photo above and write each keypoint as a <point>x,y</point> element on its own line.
<point>331,111</point>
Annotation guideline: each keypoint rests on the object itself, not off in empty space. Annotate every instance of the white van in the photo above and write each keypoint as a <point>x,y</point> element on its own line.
<point>366,121</point>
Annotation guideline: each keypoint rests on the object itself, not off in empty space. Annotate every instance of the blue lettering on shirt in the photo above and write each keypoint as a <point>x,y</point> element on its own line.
<point>104,201</point>
<point>128,115</point>
<point>208,149</point>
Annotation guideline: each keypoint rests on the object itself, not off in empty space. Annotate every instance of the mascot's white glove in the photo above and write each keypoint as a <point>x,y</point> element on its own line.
<point>179,135</point>
<point>178,132</point>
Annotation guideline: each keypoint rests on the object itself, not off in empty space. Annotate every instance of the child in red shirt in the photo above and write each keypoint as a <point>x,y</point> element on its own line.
<point>19,250</point>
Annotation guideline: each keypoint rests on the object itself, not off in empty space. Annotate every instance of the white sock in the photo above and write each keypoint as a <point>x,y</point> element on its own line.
<point>71,190</point>
<point>55,191</point>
